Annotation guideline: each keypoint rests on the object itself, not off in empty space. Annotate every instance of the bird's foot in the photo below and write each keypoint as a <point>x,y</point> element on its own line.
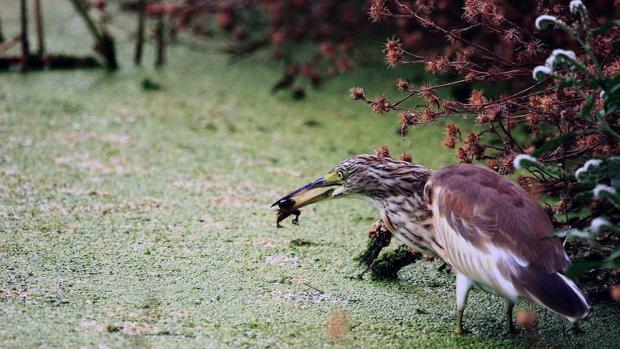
<point>458,330</point>
<point>295,219</point>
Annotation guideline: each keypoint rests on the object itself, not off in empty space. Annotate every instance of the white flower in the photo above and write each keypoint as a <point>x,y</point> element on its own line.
<point>586,166</point>
<point>543,21</point>
<point>559,56</point>
<point>602,188</point>
<point>602,95</point>
<point>522,160</point>
<point>576,6</point>
<point>598,223</point>
<point>541,71</point>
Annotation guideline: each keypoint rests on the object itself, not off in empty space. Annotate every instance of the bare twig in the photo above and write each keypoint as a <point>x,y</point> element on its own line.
<point>312,287</point>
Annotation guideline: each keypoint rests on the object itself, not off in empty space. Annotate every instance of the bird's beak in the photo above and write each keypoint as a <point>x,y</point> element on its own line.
<point>318,190</point>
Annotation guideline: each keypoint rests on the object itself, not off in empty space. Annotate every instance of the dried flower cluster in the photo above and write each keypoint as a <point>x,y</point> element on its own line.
<point>510,51</point>
<point>379,233</point>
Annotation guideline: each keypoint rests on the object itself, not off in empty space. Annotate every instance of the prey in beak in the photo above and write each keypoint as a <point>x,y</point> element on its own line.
<point>319,190</point>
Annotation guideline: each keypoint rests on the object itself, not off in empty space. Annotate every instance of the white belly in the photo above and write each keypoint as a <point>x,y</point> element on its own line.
<point>490,269</point>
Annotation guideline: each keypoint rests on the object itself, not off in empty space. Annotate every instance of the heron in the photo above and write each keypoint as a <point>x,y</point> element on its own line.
<point>488,229</point>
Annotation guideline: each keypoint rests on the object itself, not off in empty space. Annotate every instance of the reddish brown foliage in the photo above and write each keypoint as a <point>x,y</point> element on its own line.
<point>490,42</point>
<point>315,36</point>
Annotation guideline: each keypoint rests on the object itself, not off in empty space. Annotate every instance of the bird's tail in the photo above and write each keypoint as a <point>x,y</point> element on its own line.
<point>554,291</point>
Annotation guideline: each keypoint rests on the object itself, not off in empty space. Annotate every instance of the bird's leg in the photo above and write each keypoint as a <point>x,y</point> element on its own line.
<point>295,220</point>
<point>574,328</point>
<point>463,284</point>
<point>509,307</point>
<point>458,328</point>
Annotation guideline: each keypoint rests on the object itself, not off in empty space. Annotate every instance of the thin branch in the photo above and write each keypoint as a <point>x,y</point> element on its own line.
<point>446,32</point>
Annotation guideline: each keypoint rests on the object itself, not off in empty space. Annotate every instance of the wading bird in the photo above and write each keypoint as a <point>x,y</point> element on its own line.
<point>489,230</point>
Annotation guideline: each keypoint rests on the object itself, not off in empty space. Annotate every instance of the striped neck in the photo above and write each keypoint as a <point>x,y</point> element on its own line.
<point>407,214</point>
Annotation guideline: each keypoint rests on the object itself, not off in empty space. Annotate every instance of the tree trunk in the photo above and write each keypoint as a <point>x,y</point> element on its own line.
<point>137,58</point>
<point>1,32</point>
<point>104,42</point>
<point>160,57</point>
<point>108,50</point>
<point>24,35</point>
<point>38,13</point>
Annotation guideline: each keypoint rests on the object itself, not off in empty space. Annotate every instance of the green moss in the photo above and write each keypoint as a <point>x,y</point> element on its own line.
<point>113,328</point>
<point>370,253</point>
<point>150,85</point>
<point>148,210</point>
<point>379,237</point>
<point>386,267</point>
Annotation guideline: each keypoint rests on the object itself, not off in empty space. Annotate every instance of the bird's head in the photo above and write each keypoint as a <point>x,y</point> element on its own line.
<point>369,177</point>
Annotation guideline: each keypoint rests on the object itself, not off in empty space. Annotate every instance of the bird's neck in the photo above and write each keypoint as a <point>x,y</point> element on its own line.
<point>408,215</point>
<point>410,220</point>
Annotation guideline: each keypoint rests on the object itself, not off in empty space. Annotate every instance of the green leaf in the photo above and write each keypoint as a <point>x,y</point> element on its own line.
<point>553,143</point>
<point>603,28</point>
<point>587,109</point>
<point>613,164</point>
<point>594,83</point>
<point>570,233</point>
<point>615,254</point>
<point>566,84</point>
<point>583,198</point>
<point>613,264</point>
<point>579,267</point>
<point>560,233</point>
<point>612,94</point>
<point>612,85</point>
<point>615,200</point>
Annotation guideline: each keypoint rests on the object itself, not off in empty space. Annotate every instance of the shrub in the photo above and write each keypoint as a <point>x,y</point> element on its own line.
<point>559,120</point>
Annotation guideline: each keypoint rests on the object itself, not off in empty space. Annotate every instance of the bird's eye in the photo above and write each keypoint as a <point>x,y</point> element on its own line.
<point>341,175</point>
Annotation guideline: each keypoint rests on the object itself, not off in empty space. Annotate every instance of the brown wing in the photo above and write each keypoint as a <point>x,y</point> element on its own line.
<point>487,209</point>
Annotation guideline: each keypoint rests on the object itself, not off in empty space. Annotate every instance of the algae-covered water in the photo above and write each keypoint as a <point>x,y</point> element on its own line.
<point>133,218</point>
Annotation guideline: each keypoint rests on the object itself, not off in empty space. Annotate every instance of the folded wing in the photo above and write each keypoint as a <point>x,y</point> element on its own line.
<point>494,232</point>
